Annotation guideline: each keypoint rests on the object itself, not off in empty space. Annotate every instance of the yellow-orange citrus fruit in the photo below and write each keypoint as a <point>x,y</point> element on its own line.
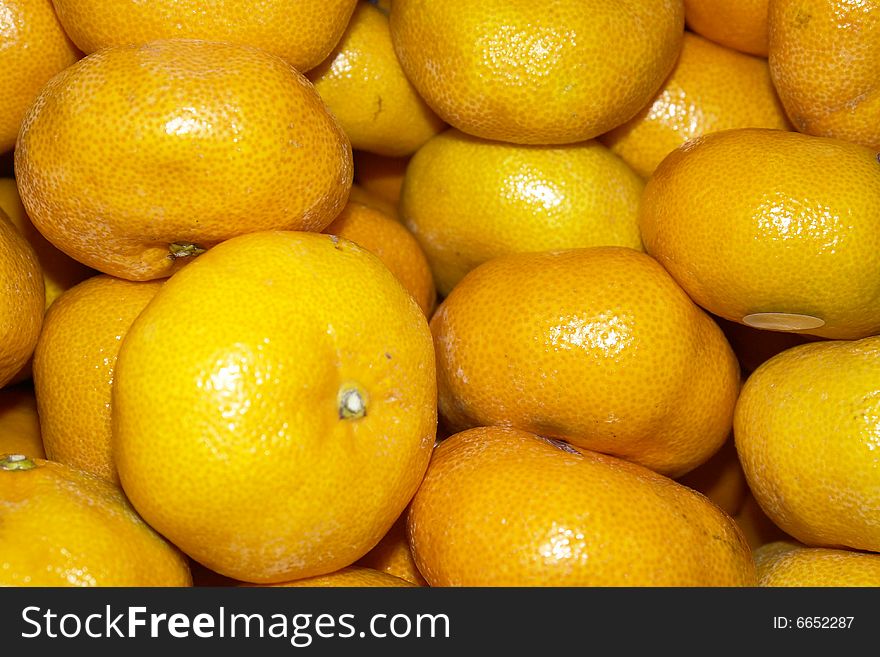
<point>788,238</point>
<point>358,194</point>
<point>532,73</point>
<point>60,526</point>
<point>598,347</point>
<point>22,299</point>
<point>737,24</point>
<point>824,59</point>
<point>379,174</point>
<point>298,382</point>
<point>301,31</point>
<point>806,428</point>
<point>502,507</point>
<point>20,423</point>
<point>721,479</point>
<point>137,158</point>
<point>74,365</point>
<point>33,48</point>
<point>350,576</point>
<point>468,200</point>
<point>393,555</point>
<point>754,346</point>
<point>790,564</point>
<point>396,247</point>
<point>60,272</point>
<point>756,526</point>
<point>711,88</point>
<point>365,88</point>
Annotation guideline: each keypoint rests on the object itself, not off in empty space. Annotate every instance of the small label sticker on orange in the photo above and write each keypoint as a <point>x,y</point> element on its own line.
<point>783,321</point>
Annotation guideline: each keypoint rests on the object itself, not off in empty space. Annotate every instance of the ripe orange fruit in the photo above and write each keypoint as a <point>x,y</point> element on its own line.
<point>365,88</point>
<point>299,413</point>
<point>198,142</point>
<point>597,346</point>
<point>806,432</point>
<point>65,527</point>
<point>721,479</point>
<point>824,58</point>
<point>393,555</point>
<point>20,423</point>
<point>302,32</point>
<point>790,564</point>
<point>396,247</point>
<point>60,272</point>
<point>756,526</point>
<point>22,299</point>
<point>711,88</point>
<point>34,49</point>
<point>529,73</point>
<point>380,175</point>
<point>468,200</point>
<point>737,24</point>
<point>502,507</point>
<point>360,195</point>
<point>74,365</point>
<point>350,576</point>
<point>790,245</point>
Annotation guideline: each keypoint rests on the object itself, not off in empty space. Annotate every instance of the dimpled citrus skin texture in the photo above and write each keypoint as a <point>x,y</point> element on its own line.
<point>301,31</point>
<point>365,88</point>
<point>60,272</point>
<point>537,73</point>
<point>468,200</point>
<point>20,423</point>
<point>351,576</point>
<point>737,24</point>
<point>242,390</point>
<point>63,527</point>
<point>787,564</point>
<point>792,226</point>
<point>73,368</point>
<point>825,58</point>
<point>502,507</point>
<point>139,147</point>
<point>34,48</point>
<point>396,247</point>
<point>806,431</point>
<point>393,555</point>
<point>596,346</point>
<point>22,299</point>
<point>711,88</point>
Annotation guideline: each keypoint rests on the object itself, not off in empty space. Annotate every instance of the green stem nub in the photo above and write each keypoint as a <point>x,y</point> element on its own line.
<point>352,402</point>
<point>16,462</point>
<point>184,250</point>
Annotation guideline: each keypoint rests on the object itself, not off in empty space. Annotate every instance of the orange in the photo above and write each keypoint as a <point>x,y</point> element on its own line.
<point>393,555</point>
<point>711,88</point>
<point>737,24</point>
<point>599,347</point>
<point>468,200</point>
<point>502,507</point>
<point>34,49</point>
<point>22,299</point>
<point>379,174</point>
<point>532,73</point>
<point>721,479</point>
<point>771,242</point>
<point>825,58</point>
<point>790,564</point>
<point>365,88</point>
<point>63,527</point>
<point>301,31</point>
<point>198,142</point>
<point>806,427</point>
<point>351,576</point>
<point>396,247</point>
<point>358,194</point>
<point>758,529</point>
<point>297,416</point>
<point>74,366</point>
<point>59,271</point>
<point>20,423</point>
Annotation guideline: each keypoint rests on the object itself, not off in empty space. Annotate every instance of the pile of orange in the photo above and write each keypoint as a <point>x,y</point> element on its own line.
<point>419,293</point>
